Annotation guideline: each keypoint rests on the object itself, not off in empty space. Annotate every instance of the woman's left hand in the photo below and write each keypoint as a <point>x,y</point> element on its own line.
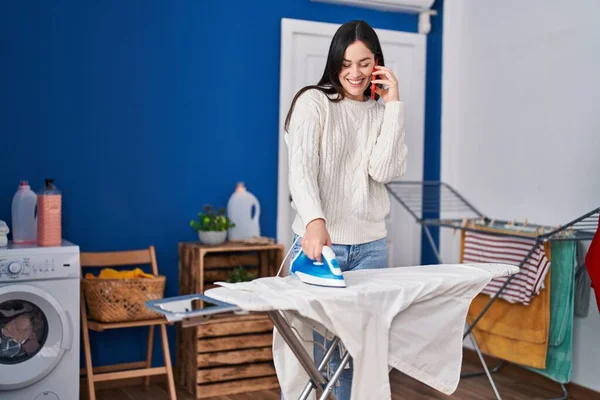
<point>384,76</point>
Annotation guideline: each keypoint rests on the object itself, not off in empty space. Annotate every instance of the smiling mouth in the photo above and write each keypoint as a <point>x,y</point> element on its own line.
<point>356,82</point>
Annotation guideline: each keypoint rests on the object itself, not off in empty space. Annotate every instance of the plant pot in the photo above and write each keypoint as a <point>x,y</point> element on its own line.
<point>212,237</point>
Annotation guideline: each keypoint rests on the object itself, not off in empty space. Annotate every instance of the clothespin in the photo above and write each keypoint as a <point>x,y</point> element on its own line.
<point>463,224</point>
<point>454,229</point>
<point>525,222</point>
<point>518,227</point>
<point>492,222</point>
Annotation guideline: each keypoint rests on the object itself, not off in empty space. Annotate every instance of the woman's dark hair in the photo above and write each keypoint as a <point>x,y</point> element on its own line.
<point>330,84</point>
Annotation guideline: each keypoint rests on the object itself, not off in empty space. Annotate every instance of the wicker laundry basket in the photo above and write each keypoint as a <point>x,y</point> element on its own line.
<point>119,300</point>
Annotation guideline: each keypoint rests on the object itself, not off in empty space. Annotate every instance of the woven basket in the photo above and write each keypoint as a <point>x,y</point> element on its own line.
<point>119,300</point>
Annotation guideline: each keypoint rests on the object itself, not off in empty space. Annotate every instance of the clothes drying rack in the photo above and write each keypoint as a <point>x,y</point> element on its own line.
<point>435,204</point>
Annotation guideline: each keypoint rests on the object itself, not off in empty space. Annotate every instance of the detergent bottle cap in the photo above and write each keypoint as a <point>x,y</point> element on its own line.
<point>240,187</point>
<point>49,187</point>
<point>24,184</point>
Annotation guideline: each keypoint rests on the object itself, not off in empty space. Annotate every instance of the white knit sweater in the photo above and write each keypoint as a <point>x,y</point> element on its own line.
<point>340,156</point>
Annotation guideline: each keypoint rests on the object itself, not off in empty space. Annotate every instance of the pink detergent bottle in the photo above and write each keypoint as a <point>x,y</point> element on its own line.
<point>49,215</point>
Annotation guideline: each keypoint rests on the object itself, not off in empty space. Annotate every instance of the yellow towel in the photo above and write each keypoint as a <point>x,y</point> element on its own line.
<point>514,332</point>
<point>109,273</point>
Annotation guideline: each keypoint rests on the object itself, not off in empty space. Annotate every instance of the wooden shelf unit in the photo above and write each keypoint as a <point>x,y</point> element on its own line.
<point>227,354</point>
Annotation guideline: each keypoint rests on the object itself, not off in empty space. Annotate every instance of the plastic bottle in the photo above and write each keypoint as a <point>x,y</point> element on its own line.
<point>3,234</point>
<point>49,215</point>
<point>24,224</point>
<point>239,211</point>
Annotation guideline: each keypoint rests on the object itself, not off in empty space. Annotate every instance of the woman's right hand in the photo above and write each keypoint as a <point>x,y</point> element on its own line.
<point>315,237</point>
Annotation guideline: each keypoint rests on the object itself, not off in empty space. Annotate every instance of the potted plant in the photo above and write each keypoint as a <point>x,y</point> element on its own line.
<point>212,225</point>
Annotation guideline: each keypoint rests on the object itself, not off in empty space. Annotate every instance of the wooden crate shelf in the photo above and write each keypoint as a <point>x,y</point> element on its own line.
<point>239,386</point>
<point>227,354</point>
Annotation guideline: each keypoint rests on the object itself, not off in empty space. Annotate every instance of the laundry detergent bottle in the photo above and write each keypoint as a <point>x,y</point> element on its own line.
<point>49,215</point>
<point>243,209</point>
<point>24,224</point>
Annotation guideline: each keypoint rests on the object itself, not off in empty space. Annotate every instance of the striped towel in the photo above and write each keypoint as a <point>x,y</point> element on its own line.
<point>487,248</point>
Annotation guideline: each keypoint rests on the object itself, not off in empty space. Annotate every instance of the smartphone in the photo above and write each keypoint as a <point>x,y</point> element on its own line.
<point>372,84</point>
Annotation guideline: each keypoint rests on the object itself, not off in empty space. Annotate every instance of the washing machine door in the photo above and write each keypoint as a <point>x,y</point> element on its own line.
<point>35,331</point>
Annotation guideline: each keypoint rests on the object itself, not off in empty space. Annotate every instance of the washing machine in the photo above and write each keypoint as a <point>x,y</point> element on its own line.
<point>39,322</point>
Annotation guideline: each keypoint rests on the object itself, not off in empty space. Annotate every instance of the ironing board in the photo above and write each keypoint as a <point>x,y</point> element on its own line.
<point>181,309</point>
<point>175,308</point>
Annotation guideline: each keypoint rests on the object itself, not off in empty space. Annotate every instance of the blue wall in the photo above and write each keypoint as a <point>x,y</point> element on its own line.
<point>143,111</point>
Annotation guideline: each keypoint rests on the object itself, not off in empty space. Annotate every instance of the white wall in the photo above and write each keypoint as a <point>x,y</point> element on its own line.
<point>521,116</point>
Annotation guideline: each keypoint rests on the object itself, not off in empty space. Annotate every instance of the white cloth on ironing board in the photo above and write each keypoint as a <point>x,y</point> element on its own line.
<point>409,318</point>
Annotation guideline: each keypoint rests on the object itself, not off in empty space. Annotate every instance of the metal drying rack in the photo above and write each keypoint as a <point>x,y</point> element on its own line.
<point>434,204</point>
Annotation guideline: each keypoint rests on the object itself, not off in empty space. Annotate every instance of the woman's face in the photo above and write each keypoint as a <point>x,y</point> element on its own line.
<point>356,71</point>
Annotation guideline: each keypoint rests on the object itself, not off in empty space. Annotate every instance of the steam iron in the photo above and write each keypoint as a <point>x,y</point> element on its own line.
<point>312,272</point>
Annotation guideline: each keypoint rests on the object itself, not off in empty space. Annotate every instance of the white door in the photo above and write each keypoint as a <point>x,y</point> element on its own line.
<point>35,332</point>
<point>304,47</point>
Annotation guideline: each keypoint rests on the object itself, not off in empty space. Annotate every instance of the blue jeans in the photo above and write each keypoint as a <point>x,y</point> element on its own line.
<point>369,255</point>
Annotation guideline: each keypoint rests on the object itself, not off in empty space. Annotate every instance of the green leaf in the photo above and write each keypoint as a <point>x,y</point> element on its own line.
<point>209,220</point>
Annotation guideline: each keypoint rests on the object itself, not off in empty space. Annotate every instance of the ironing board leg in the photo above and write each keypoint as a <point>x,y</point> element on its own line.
<point>336,375</point>
<point>305,360</point>
<point>310,386</point>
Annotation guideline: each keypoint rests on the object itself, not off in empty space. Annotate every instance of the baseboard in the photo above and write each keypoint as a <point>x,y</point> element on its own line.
<point>575,390</point>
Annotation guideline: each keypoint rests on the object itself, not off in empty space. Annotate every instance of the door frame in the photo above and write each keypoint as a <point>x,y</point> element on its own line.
<point>289,29</point>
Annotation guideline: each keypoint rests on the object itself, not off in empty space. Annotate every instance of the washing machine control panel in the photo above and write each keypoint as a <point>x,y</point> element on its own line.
<point>14,267</point>
<point>22,268</point>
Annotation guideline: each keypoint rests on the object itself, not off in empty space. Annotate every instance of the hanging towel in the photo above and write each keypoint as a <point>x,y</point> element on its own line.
<point>410,318</point>
<point>512,331</point>
<point>583,283</point>
<point>559,361</point>
<point>482,247</point>
<point>592,263</point>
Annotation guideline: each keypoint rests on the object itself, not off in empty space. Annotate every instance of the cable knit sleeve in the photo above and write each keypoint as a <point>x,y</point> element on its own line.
<point>303,141</point>
<point>388,157</point>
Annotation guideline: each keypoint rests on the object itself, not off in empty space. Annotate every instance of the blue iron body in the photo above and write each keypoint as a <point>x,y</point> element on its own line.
<point>312,272</point>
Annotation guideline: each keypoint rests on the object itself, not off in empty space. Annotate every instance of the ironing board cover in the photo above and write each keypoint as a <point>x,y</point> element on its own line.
<point>409,318</point>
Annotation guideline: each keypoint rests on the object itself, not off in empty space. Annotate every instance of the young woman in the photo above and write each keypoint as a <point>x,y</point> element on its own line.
<point>343,147</point>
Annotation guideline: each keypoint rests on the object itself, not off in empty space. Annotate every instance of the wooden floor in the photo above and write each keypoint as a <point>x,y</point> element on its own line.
<point>512,382</point>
